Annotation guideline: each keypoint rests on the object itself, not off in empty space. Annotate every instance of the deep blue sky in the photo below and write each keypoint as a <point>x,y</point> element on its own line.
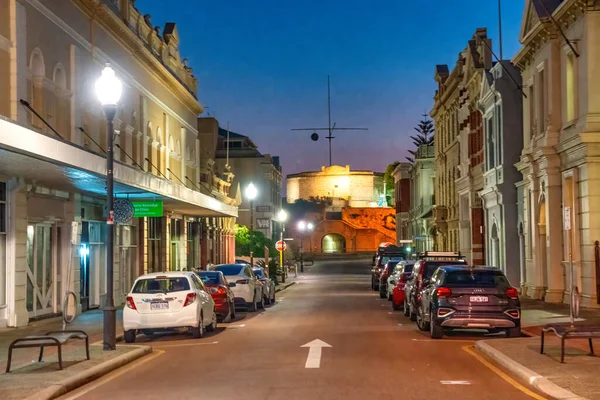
<point>263,66</point>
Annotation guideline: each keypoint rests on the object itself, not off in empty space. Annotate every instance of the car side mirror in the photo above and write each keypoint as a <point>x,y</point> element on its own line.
<point>232,284</point>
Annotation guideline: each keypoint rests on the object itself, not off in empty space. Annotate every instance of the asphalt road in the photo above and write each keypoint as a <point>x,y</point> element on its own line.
<point>375,354</point>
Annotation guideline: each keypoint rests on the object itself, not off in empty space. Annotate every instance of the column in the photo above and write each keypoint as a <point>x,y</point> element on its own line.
<point>554,238</point>
<point>203,243</point>
<point>16,261</point>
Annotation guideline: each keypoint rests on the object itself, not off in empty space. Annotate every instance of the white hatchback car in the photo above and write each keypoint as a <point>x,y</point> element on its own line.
<point>164,300</point>
<point>246,287</point>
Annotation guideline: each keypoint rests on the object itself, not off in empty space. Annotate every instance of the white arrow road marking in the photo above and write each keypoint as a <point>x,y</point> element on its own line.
<point>314,353</point>
<point>455,382</point>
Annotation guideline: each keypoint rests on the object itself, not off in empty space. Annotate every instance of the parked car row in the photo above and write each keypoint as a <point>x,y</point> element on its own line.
<point>195,301</point>
<point>440,291</point>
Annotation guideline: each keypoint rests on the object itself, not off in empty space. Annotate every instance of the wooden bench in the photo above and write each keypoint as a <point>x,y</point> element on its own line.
<point>567,331</point>
<point>50,339</point>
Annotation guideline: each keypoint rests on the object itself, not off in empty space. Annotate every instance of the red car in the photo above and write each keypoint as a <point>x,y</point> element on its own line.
<point>398,292</point>
<point>222,295</point>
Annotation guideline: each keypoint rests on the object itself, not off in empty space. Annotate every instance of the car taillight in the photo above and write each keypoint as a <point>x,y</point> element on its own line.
<point>130,303</point>
<point>221,290</point>
<point>512,293</point>
<point>444,292</point>
<point>189,299</point>
<point>243,281</point>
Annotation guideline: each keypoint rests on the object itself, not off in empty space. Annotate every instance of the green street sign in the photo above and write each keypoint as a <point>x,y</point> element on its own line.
<point>147,208</point>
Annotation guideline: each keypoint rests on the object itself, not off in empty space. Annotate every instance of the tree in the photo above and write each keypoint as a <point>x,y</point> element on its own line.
<point>424,137</point>
<point>389,181</point>
<point>259,242</point>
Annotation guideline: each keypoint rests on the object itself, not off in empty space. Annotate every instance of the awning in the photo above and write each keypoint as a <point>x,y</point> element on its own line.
<point>53,163</point>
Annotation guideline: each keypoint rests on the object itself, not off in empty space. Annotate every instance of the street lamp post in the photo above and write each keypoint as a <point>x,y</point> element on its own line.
<point>251,192</point>
<point>303,226</point>
<point>108,89</point>
<point>282,217</point>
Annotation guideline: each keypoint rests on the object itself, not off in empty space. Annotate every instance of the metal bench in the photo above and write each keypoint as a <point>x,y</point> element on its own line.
<point>50,339</point>
<point>567,331</point>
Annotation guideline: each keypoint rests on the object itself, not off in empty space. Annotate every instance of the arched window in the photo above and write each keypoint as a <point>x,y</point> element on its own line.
<point>178,147</point>
<point>187,154</point>
<point>61,103</point>
<point>158,137</point>
<point>38,74</point>
<point>171,144</point>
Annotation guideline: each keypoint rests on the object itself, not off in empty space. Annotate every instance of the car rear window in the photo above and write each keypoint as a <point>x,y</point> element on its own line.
<point>385,260</point>
<point>230,269</point>
<point>162,285</point>
<point>259,273</point>
<point>475,278</point>
<point>432,266</point>
<point>210,278</point>
<point>408,268</point>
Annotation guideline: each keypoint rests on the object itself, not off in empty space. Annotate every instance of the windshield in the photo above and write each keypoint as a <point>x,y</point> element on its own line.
<point>396,259</point>
<point>476,278</point>
<point>161,285</point>
<point>210,278</point>
<point>229,269</point>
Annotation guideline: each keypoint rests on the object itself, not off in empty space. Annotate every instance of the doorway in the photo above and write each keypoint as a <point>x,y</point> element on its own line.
<point>41,246</point>
<point>333,243</point>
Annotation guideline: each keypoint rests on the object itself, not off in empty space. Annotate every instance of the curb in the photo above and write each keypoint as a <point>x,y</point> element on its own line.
<point>532,378</point>
<point>90,375</point>
<point>284,286</point>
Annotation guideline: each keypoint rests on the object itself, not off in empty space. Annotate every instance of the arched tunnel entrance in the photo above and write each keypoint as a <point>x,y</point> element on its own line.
<point>333,243</point>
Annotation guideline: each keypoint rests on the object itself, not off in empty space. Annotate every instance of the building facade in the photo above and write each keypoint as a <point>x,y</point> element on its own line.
<point>559,162</point>
<point>446,145</point>
<point>53,145</point>
<point>402,200</point>
<point>353,188</point>
<point>501,103</point>
<point>476,58</point>
<point>238,155</point>
<point>422,177</point>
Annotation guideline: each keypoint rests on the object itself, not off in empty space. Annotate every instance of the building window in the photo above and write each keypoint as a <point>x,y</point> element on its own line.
<point>541,97</point>
<point>154,244</point>
<point>498,137</point>
<point>570,88</point>
<point>490,143</point>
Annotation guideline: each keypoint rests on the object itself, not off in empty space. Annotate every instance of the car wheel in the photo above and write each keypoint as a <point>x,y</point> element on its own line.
<point>413,316</point>
<point>435,331</point>
<point>395,307</point>
<point>261,304</point>
<point>406,309</point>
<point>267,300</point>
<point>513,332</point>
<point>198,331</point>
<point>213,325</point>
<point>232,311</point>
<point>252,306</point>
<point>273,298</point>
<point>382,295</point>
<point>421,323</point>
<point>129,336</point>
<point>389,297</point>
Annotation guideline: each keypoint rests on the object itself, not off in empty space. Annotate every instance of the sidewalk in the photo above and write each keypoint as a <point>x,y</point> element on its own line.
<point>31,379</point>
<point>577,378</point>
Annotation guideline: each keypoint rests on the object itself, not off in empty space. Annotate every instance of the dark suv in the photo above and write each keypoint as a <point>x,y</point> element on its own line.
<point>463,297</point>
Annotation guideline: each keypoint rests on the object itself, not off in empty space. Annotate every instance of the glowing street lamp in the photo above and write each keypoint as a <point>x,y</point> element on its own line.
<point>109,89</point>
<point>251,193</point>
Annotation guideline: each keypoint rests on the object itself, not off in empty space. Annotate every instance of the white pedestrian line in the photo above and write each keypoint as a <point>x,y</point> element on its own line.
<point>314,353</point>
<point>158,345</point>
<point>389,312</point>
<point>455,382</point>
<point>236,326</point>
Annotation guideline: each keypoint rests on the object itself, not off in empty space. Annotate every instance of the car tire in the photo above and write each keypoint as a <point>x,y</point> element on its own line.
<point>413,316</point>
<point>198,331</point>
<point>389,297</point>
<point>395,307</point>
<point>252,306</point>
<point>129,336</point>
<point>261,304</point>
<point>267,301</point>
<point>213,325</point>
<point>421,323</point>
<point>273,298</point>
<point>232,311</point>
<point>435,331</point>
<point>382,295</point>
<point>513,332</point>
<point>405,308</point>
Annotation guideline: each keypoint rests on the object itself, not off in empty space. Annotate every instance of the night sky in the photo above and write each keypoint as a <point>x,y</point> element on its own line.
<point>263,66</point>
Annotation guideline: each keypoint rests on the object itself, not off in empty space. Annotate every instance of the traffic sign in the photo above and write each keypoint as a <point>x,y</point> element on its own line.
<point>281,245</point>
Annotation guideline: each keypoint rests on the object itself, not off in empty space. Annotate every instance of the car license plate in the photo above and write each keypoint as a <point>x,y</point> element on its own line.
<point>159,305</point>
<point>479,299</point>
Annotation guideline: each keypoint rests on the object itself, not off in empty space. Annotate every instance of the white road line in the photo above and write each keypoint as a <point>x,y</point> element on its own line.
<point>455,382</point>
<point>389,312</point>
<point>235,326</point>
